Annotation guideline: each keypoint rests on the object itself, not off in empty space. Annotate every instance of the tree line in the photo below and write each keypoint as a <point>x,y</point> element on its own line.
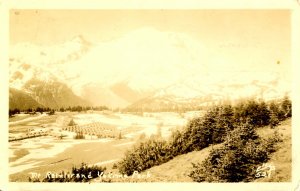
<point>52,111</point>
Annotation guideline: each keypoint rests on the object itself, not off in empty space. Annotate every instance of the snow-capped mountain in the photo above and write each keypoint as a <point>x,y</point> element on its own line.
<point>45,62</point>
<point>142,66</point>
<point>115,73</point>
<point>195,92</point>
<point>38,72</point>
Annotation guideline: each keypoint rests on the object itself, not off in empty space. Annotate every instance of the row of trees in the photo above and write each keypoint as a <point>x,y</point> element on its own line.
<point>212,128</point>
<point>12,112</point>
<point>51,111</point>
<point>163,108</point>
<point>83,108</point>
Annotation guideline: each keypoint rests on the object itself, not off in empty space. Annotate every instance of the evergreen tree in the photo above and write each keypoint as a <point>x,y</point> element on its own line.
<point>273,119</point>
<point>286,107</point>
<point>263,114</point>
<point>224,123</point>
<point>71,123</point>
<point>275,114</point>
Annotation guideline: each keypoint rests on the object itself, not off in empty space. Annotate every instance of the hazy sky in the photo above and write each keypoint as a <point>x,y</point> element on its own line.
<point>243,26</point>
<point>241,37</point>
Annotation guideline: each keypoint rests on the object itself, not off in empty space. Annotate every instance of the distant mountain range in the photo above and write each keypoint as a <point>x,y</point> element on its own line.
<point>194,93</point>
<point>130,72</point>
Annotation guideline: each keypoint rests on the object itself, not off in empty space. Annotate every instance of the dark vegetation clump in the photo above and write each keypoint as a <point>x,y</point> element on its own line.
<point>232,125</point>
<point>237,160</point>
<point>147,154</point>
<point>79,135</point>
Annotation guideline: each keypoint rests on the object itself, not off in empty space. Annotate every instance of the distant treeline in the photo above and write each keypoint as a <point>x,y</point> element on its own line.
<point>217,125</point>
<point>84,108</point>
<point>164,108</point>
<point>170,105</point>
<point>52,111</point>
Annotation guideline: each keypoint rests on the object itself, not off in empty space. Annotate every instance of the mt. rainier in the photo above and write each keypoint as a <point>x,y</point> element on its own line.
<point>139,68</point>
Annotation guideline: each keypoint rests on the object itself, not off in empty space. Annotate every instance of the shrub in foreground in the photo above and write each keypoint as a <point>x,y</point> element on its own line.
<point>147,154</point>
<point>238,159</point>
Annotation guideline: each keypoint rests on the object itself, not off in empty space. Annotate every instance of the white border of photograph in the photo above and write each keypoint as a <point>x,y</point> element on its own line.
<point>6,5</point>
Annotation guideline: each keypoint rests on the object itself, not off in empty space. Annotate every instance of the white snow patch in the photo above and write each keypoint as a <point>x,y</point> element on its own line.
<point>40,153</point>
<point>27,119</point>
<point>106,162</point>
<point>122,144</point>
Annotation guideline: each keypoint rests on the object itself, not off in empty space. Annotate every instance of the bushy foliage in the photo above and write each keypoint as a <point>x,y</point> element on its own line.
<point>253,112</point>
<point>275,112</point>
<point>238,159</point>
<point>12,112</point>
<point>147,154</point>
<point>198,134</point>
<point>211,128</point>
<point>177,141</point>
<point>215,126</point>
<point>224,123</point>
<point>270,143</point>
<point>273,119</point>
<point>286,107</point>
<point>87,171</point>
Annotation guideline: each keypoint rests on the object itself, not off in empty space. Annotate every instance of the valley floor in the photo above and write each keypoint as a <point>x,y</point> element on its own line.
<point>52,154</point>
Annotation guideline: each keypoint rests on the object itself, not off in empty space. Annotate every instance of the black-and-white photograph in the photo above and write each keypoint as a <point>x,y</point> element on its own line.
<point>150,95</point>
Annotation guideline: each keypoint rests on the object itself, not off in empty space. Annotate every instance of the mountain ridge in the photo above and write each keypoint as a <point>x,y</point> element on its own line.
<point>20,100</point>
